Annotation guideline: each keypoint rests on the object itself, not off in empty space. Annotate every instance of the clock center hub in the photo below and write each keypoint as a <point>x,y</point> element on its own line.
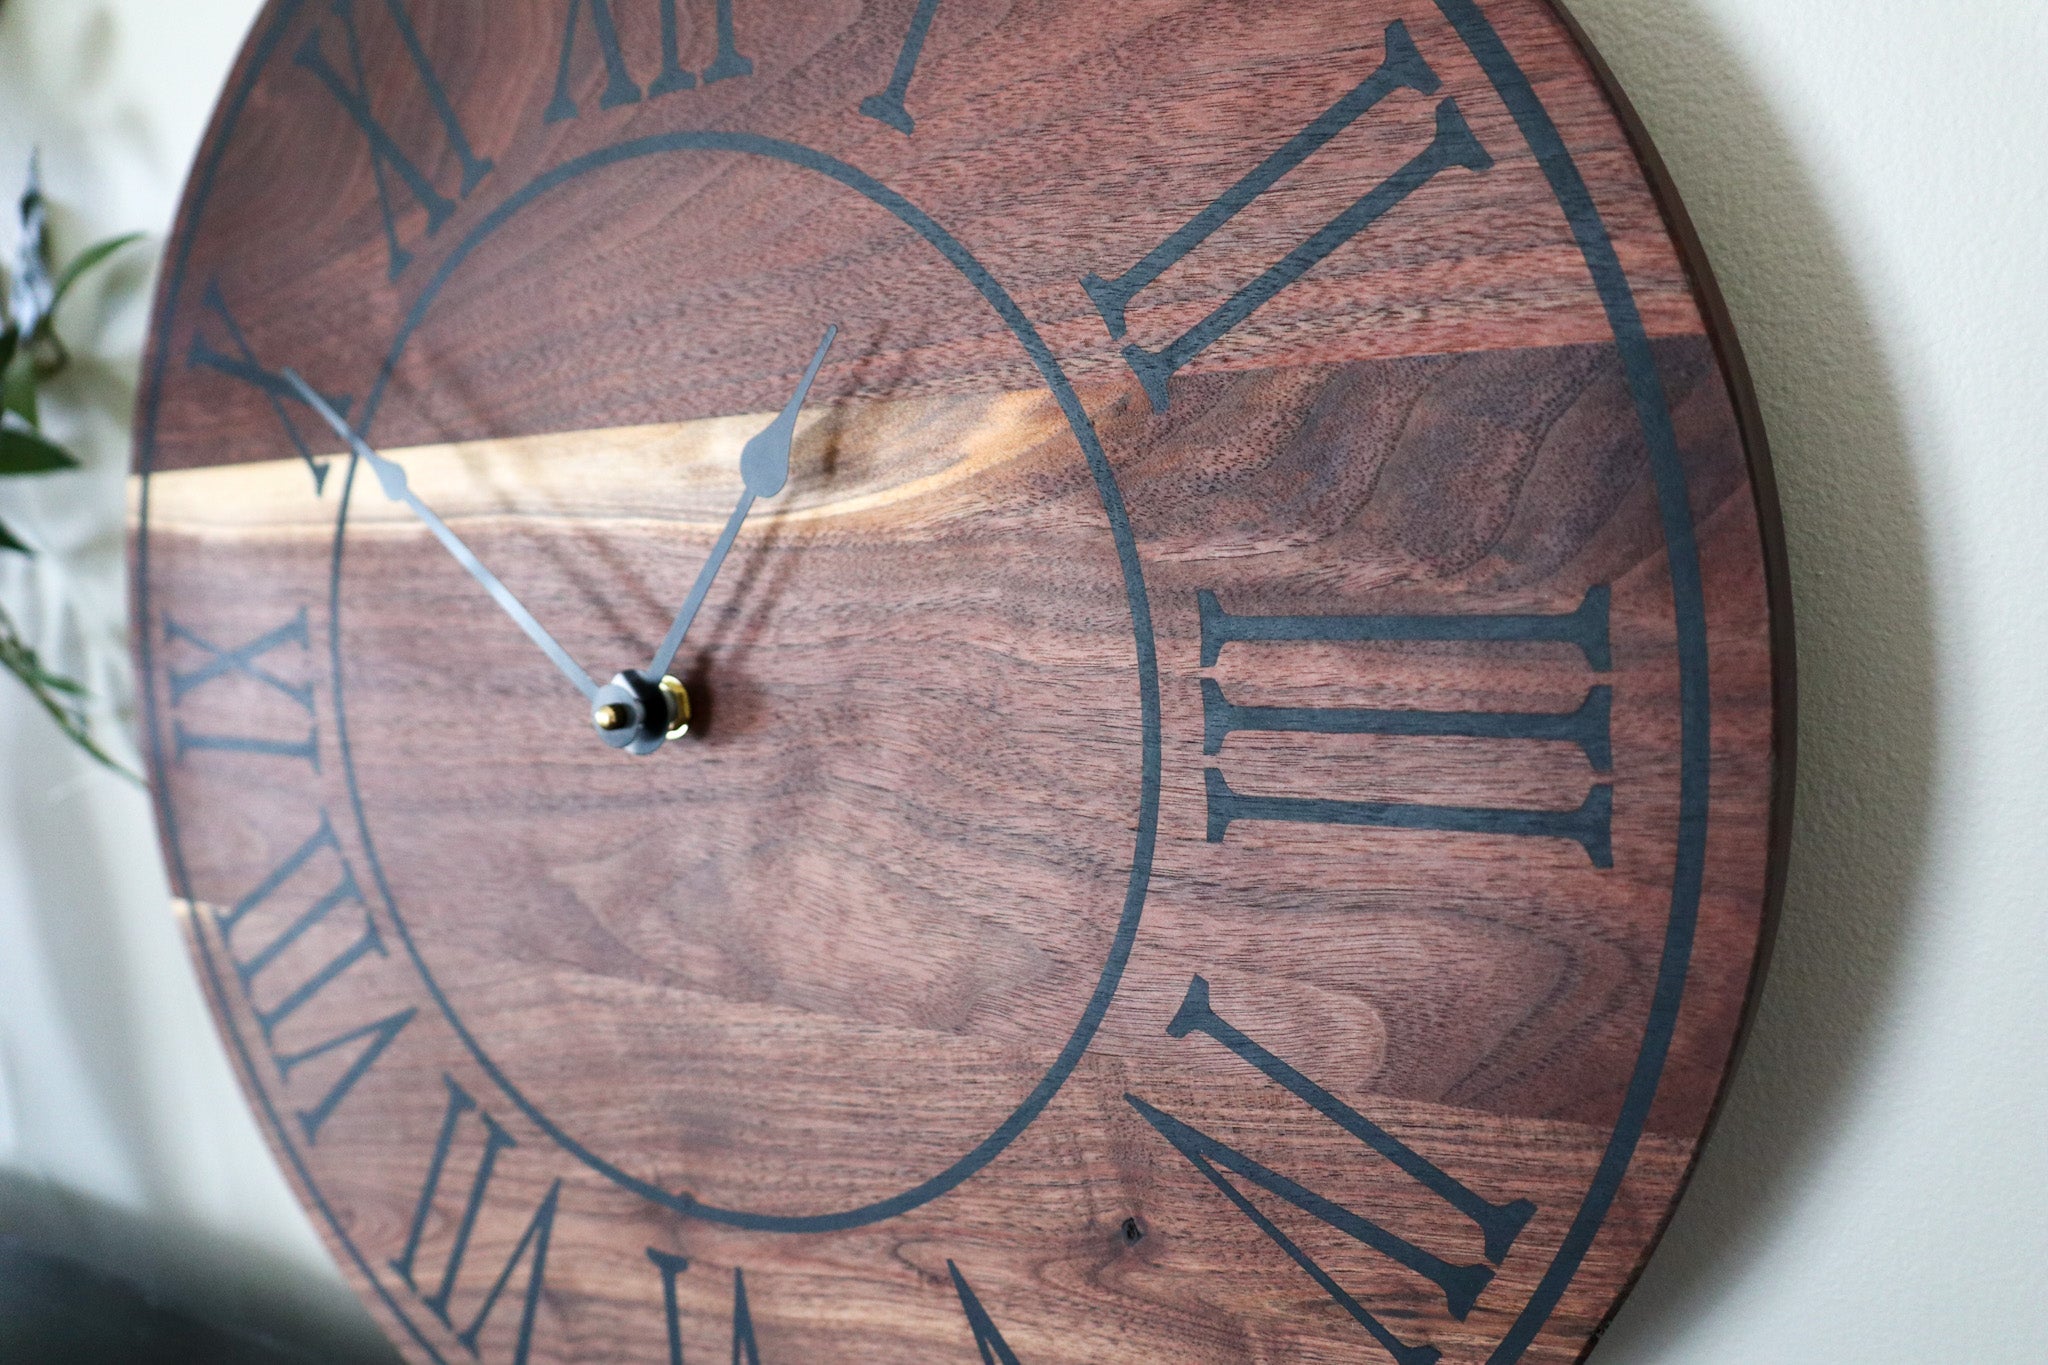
<point>639,714</point>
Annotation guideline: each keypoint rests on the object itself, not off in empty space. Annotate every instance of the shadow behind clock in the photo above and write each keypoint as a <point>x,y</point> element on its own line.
<point>1867,668</point>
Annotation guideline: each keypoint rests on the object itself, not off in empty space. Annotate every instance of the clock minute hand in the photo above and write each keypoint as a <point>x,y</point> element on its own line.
<point>764,465</point>
<point>391,477</point>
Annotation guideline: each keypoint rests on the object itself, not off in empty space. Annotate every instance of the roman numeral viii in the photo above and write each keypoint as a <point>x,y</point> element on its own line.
<point>532,1247</point>
<point>598,19</point>
<point>389,160</point>
<point>1453,146</point>
<point>1587,726</point>
<point>1499,1224</point>
<point>282,941</point>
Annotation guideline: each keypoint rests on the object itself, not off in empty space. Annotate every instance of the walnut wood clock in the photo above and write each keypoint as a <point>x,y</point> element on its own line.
<point>918,680</point>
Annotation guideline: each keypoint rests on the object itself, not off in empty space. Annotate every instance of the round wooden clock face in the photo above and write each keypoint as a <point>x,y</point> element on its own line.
<point>1227,624</point>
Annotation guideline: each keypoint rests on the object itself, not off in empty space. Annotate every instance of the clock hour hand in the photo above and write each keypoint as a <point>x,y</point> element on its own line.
<point>391,477</point>
<point>764,465</point>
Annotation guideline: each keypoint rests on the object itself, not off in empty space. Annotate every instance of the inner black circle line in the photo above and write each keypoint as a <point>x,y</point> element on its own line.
<point>1055,379</point>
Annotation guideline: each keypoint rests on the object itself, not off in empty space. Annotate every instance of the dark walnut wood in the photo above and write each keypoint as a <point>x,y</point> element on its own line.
<point>1266,861</point>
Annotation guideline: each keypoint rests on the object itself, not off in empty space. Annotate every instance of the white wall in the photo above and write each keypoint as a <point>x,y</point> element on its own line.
<point>1871,182</point>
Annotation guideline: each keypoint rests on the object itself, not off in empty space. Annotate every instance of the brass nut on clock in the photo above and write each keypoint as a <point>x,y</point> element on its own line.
<point>678,707</point>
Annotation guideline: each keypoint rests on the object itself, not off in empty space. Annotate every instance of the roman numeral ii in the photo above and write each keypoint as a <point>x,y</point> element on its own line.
<point>533,1242</point>
<point>1453,146</point>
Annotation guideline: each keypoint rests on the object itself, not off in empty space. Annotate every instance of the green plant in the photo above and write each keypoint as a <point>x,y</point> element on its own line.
<point>32,354</point>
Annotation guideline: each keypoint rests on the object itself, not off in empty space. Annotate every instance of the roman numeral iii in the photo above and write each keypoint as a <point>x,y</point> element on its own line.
<point>1587,726</point>
<point>1499,1224</point>
<point>388,159</point>
<point>1453,146</point>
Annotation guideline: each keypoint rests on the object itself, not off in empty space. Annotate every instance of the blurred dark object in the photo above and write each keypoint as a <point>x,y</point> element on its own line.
<point>56,1311</point>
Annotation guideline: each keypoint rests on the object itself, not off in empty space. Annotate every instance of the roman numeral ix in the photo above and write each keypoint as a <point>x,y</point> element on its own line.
<point>1587,726</point>
<point>1453,146</point>
<point>1499,1224</point>
<point>245,661</point>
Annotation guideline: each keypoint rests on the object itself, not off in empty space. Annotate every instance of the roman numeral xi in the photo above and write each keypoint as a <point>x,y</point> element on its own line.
<point>395,167</point>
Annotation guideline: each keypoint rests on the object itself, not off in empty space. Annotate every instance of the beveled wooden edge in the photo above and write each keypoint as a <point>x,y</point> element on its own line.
<point>1756,450</point>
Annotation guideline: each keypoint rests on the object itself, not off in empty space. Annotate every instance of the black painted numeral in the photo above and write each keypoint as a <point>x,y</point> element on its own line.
<point>744,1348</point>
<point>1588,726</point>
<point>994,1350</point>
<point>1499,1224</point>
<point>318,874</point>
<point>239,361</point>
<point>387,157</point>
<point>620,89</point>
<point>1453,145</point>
<point>539,1228</point>
<point>246,661</point>
<point>888,106</point>
<point>374,1039</point>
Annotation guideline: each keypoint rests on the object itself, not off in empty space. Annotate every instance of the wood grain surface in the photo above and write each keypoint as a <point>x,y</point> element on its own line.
<point>1269,868</point>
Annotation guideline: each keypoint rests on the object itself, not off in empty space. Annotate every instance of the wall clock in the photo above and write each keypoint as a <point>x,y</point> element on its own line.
<point>921,679</point>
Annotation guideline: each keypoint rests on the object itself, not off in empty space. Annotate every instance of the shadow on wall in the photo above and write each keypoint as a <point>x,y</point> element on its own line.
<point>1867,675</point>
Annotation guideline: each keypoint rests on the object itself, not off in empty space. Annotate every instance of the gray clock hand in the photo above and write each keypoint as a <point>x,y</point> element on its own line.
<point>391,476</point>
<point>764,465</point>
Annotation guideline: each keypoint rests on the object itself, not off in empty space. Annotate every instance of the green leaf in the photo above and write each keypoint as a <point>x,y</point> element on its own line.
<point>8,542</point>
<point>86,260</point>
<point>24,450</point>
<point>18,388</point>
<point>62,698</point>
